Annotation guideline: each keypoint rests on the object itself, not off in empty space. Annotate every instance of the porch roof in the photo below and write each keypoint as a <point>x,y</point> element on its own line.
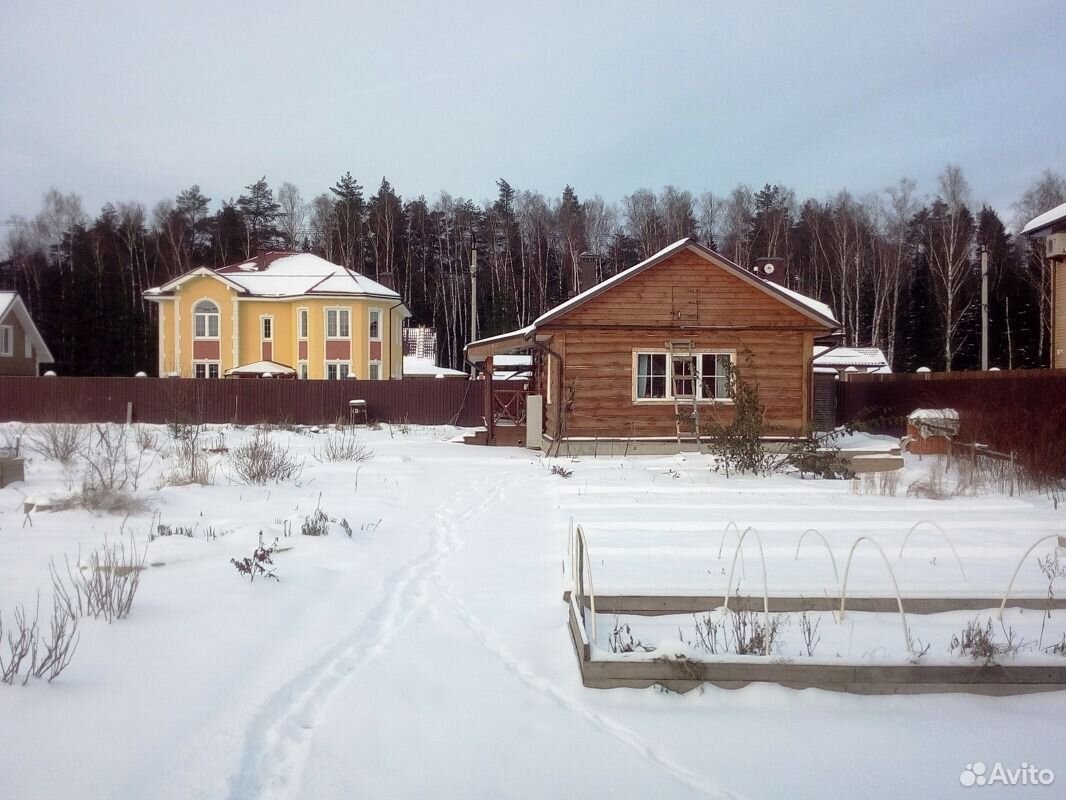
<point>511,342</point>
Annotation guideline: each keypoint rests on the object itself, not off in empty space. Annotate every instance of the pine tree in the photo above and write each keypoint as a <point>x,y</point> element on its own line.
<point>260,213</point>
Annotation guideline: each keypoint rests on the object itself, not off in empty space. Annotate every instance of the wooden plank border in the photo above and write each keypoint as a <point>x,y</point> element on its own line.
<point>683,675</point>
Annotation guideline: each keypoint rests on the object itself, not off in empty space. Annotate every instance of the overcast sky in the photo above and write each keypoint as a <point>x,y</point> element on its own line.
<point>138,100</point>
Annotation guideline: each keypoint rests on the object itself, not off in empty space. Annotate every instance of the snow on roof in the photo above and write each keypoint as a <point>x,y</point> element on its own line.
<point>1057,214</point>
<point>303,273</point>
<point>416,367</point>
<point>290,275</point>
<point>262,368</point>
<point>932,414</point>
<point>807,304</point>
<point>6,299</point>
<point>817,306</point>
<point>850,357</point>
<point>512,361</point>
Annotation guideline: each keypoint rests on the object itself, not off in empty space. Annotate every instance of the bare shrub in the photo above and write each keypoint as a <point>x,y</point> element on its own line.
<point>259,562</point>
<point>809,630</point>
<point>751,636</point>
<point>979,643</point>
<point>57,441</point>
<point>146,438</point>
<point>105,585</point>
<point>622,640</point>
<point>1053,570</point>
<point>744,634</point>
<point>109,467</point>
<point>110,501</point>
<point>162,531</point>
<point>45,655</point>
<point>260,460</point>
<point>317,524</point>
<point>882,484</point>
<point>710,635</point>
<point>932,486</point>
<point>190,465</point>
<point>561,471</point>
<point>343,446</point>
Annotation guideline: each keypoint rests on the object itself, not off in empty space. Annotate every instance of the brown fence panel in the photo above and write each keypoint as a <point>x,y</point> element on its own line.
<point>418,401</point>
<point>1019,410</point>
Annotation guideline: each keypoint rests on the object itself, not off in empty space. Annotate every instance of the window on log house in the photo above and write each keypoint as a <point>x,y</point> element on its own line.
<point>660,376</point>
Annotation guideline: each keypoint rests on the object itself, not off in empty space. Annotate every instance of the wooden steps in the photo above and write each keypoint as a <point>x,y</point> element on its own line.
<point>506,436</point>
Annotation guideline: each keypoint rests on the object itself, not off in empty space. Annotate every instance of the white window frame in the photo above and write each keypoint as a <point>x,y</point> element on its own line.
<point>27,346</point>
<point>302,370</point>
<point>374,315</point>
<point>374,364</point>
<point>207,364</point>
<point>303,323</point>
<point>339,310</point>
<point>7,340</point>
<point>197,315</point>
<point>264,321</point>
<point>338,364</point>
<point>669,396</point>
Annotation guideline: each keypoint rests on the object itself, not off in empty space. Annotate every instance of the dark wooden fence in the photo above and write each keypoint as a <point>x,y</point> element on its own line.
<point>1019,410</point>
<point>417,400</point>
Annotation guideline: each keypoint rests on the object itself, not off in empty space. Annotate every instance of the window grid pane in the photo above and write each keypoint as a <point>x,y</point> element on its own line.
<point>651,375</point>
<point>344,324</point>
<point>331,323</point>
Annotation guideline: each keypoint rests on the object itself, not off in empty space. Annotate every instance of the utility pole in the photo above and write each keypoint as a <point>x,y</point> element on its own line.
<point>984,308</point>
<point>473,303</point>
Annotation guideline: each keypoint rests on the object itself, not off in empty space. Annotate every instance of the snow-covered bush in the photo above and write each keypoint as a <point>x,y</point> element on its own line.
<point>58,441</point>
<point>260,460</point>
<point>319,523</point>
<point>343,445</point>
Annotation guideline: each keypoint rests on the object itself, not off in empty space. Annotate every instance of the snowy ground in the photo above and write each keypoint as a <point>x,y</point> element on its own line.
<point>427,655</point>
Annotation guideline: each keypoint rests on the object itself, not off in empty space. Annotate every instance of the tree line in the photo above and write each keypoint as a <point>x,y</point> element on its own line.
<point>900,270</point>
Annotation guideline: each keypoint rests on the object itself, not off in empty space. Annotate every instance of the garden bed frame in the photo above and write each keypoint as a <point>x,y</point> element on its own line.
<point>683,675</point>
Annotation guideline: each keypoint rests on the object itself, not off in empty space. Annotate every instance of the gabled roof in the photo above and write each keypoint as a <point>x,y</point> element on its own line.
<point>279,275</point>
<point>813,309</point>
<point>1046,220</point>
<point>11,302</point>
<point>523,338</point>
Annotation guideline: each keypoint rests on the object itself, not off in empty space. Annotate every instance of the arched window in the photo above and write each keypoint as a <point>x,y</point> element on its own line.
<point>205,320</point>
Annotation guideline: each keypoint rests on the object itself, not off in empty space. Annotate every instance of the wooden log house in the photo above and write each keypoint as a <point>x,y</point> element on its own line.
<point>644,355</point>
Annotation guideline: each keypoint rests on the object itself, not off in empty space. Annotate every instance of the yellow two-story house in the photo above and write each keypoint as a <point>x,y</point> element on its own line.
<point>279,314</point>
